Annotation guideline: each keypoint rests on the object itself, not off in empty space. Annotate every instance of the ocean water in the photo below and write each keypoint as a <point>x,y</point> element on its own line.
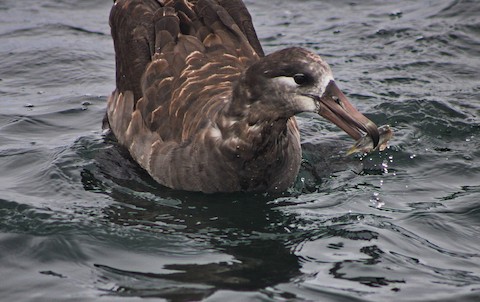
<point>79,221</point>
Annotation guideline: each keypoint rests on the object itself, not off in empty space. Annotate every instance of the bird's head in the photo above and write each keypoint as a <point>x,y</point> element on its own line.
<point>295,80</point>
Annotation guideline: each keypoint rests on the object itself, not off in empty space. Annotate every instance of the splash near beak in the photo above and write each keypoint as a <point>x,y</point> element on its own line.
<point>335,107</point>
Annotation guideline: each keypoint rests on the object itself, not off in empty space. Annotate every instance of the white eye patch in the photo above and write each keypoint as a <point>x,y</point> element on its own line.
<point>325,80</point>
<point>285,81</point>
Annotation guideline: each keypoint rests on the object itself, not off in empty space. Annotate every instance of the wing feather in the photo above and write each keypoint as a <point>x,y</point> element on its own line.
<point>176,61</point>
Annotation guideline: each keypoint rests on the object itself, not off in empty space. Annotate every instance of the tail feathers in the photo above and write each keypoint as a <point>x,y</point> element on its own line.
<point>237,10</point>
<point>224,31</point>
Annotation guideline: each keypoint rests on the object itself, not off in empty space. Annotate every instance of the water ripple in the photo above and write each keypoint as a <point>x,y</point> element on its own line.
<point>79,220</point>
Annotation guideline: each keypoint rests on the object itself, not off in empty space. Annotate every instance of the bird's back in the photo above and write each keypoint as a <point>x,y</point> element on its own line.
<point>176,65</point>
<point>178,56</point>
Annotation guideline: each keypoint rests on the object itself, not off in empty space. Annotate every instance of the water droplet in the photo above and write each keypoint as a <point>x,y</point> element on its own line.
<point>385,166</point>
<point>375,200</point>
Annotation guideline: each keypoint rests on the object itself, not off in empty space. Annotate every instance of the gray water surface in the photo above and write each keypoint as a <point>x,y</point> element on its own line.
<point>79,221</point>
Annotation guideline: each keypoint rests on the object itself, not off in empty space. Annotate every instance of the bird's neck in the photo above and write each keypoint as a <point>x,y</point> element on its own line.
<point>246,121</point>
<point>263,150</point>
<point>262,155</point>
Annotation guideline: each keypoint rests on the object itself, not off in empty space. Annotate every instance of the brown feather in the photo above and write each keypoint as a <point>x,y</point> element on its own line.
<point>183,105</point>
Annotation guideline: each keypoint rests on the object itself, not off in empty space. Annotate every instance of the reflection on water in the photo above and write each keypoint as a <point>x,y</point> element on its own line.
<point>80,221</point>
<point>246,227</point>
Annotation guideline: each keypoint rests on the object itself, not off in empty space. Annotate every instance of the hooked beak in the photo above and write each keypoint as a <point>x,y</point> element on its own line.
<point>335,107</point>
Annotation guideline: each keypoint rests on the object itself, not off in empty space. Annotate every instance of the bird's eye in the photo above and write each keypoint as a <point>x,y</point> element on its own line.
<point>301,79</point>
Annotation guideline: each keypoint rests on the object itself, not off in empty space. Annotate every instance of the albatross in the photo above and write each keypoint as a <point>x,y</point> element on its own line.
<point>199,105</point>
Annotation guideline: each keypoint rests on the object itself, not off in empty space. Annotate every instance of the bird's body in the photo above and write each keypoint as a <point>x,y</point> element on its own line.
<point>201,108</point>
